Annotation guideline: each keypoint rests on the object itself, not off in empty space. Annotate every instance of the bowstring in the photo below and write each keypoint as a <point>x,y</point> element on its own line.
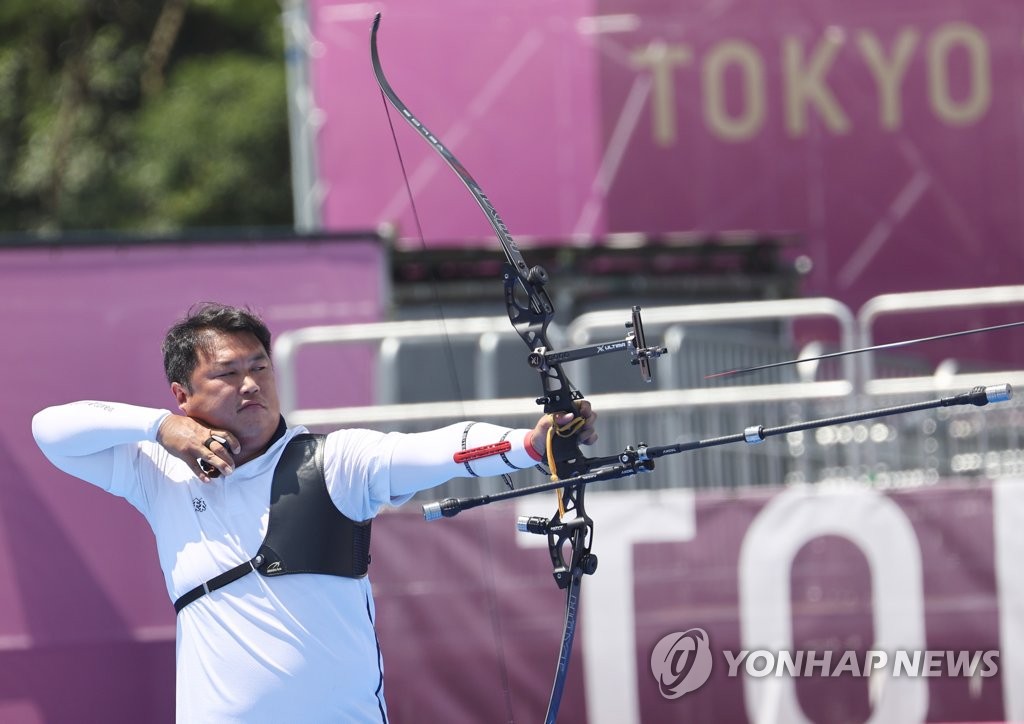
<point>491,587</point>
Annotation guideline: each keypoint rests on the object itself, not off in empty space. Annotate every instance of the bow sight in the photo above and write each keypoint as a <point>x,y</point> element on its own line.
<point>635,343</point>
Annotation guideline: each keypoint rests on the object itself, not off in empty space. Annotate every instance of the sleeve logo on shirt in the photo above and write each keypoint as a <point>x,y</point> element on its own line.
<point>198,504</point>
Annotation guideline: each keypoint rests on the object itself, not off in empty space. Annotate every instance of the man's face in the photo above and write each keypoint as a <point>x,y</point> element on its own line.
<point>233,389</point>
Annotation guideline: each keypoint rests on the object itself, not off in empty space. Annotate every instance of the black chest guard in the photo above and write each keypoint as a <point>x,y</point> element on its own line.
<point>306,533</point>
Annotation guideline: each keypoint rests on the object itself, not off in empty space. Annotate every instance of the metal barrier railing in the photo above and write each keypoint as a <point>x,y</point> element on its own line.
<point>673,325</point>
<point>904,450</point>
<point>945,377</point>
<point>390,337</point>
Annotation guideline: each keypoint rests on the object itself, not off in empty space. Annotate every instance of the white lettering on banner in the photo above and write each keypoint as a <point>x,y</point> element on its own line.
<point>745,58</point>
<point>880,529</point>
<point>805,85</point>
<point>888,72</point>
<point>661,58</point>
<point>806,67</point>
<point>978,100</point>
<point>608,622</point>
<point>1007,514</point>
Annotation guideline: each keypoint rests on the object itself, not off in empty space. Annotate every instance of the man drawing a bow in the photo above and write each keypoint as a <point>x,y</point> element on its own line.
<point>262,529</point>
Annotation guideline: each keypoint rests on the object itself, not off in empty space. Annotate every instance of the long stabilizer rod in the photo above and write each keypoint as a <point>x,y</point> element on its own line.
<point>641,459</point>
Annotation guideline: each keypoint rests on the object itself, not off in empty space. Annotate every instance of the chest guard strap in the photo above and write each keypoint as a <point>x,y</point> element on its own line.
<point>306,533</point>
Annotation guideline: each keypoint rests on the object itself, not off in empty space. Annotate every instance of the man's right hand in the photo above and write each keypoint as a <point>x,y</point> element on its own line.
<point>199,446</point>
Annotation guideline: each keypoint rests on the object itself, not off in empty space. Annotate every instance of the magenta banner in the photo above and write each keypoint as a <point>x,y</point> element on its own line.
<point>885,136</point>
<point>824,604</point>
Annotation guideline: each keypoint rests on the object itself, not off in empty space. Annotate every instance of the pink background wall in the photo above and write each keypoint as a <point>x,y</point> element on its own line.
<point>887,136</point>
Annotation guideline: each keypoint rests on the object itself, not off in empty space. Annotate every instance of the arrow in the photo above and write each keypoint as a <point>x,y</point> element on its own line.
<point>890,345</point>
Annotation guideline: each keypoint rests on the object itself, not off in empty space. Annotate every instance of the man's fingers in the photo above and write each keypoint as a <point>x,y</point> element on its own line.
<point>214,465</point>
<point>208,443</point>
<point>208,452</point>
<point>206,471</point>
<point>218,460</point>
<point>585,412</point>
<point>224,439</point>
<point>585,434</point>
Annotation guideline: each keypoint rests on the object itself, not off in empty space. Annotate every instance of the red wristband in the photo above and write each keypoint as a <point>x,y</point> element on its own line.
<point>528,444</point>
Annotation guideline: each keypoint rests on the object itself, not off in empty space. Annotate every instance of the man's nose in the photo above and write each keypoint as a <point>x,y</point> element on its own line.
<point>249,385</point>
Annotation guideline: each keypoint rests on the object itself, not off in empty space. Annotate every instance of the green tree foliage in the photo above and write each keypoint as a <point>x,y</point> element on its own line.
<point>147,116</point>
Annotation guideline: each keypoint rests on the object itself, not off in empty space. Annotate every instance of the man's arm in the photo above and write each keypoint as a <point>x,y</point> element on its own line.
<point>423,460</point>
<point>80,438</point>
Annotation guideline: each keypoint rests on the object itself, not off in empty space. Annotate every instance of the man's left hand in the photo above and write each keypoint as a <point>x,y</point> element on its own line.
<point>587,435</point>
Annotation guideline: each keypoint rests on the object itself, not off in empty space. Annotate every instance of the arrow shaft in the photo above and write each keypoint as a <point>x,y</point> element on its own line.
<point>890,345</point>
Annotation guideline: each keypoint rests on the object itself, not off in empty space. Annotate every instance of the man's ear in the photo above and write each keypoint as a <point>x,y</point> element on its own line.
<point>181,395</point>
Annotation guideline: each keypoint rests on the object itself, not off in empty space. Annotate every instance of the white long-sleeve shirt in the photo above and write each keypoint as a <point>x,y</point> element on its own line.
<point>300,647</point>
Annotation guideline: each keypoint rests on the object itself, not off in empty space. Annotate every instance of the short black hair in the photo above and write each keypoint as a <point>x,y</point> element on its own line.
<point>187,336</point>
